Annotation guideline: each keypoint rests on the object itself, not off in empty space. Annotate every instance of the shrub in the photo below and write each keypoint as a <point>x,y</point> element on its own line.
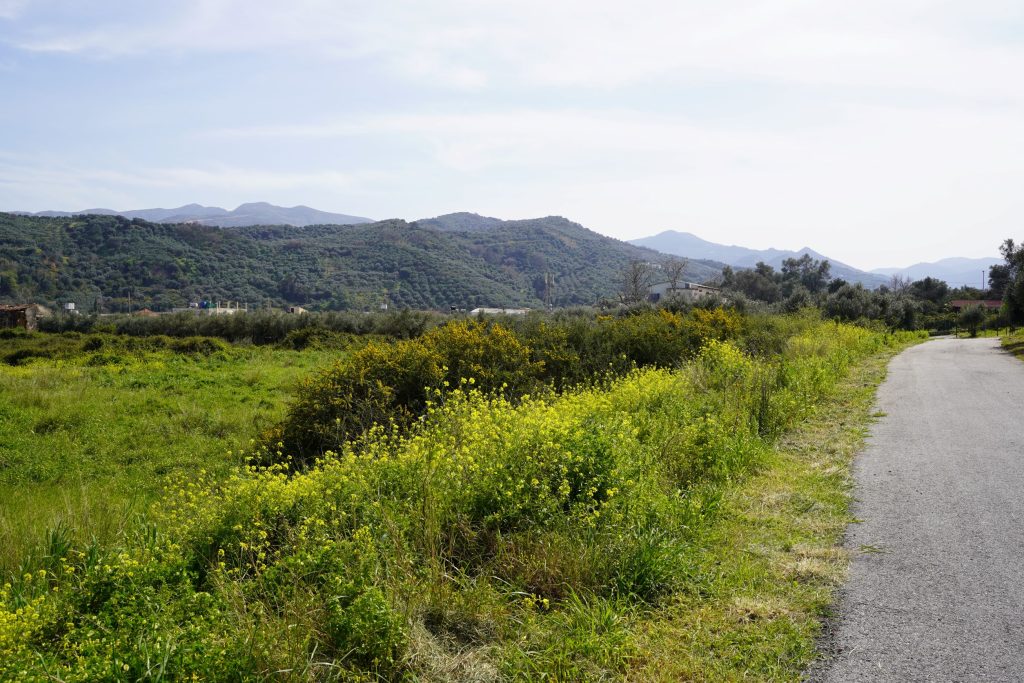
<point>971,318</point>
<point>257,326</point>
<point>391,384</point>
<point>200,346</point>
<point>316,338</point>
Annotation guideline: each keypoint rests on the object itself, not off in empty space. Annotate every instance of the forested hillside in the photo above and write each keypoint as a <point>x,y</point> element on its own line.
<point>96,261</point>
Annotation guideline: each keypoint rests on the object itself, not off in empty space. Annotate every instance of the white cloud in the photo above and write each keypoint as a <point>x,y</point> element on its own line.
<point>897,125</point>
<point>874,184</point>
<point>477,141</point>
<point>921,44</point>
<point>11,9</point>
<point>34,182</point>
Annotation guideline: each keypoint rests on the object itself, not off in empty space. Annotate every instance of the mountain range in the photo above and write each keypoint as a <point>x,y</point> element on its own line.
<point>508,262</point>
<point>957,271</point>
<point>253,213</point>
<point>460,260</point>
<point>689,245</point>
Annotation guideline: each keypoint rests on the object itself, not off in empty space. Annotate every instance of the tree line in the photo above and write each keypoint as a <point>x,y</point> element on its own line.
<point>900,304</point>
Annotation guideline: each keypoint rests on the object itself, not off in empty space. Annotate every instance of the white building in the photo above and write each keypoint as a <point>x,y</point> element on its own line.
<point>213,308</point>
<point>499,311</point>
<point>688,291</point>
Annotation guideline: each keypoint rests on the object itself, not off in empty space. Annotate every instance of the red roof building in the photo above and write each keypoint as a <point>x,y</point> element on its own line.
<point>990,304</point>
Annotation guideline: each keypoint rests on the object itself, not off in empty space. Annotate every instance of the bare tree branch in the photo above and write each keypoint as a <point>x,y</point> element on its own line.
<point>636,282</point>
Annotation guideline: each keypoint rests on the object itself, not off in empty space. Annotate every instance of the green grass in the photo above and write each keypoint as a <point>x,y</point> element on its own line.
<point>963,334</point>
<point>654,527</point>
<point>1014,343</point>
<point>770,565</point>
<point>88,437</point>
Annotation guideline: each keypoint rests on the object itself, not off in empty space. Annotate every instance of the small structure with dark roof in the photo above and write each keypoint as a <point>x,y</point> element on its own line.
<point>25,316</point>
<point>989,304</point>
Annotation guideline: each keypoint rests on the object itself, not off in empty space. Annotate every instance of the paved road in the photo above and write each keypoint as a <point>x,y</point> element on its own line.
<point>936,587</point>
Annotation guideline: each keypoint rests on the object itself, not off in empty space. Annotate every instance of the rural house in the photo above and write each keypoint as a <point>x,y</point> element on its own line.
<point>987,304</point>
<point>25,316</point>
<point>689,291</point>
<point>499,311</point>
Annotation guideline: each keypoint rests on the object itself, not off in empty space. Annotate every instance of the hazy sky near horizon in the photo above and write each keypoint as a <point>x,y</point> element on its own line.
<point>878,132</point>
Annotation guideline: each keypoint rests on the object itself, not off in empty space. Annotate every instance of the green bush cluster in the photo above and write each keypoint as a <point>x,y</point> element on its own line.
<point>391,383</point>
<point>491,530</point>
<point>256,327</point>
<point>103,348</point>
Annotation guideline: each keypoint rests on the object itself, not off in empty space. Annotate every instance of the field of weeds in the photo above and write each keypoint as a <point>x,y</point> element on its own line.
<point>91,425</point>
<point>492,523</point>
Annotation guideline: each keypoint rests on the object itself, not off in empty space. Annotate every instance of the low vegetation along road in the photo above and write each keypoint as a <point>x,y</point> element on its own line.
<point>935,590</point>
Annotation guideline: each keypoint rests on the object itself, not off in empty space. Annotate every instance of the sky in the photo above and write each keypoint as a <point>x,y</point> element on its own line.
<point>878,132</point>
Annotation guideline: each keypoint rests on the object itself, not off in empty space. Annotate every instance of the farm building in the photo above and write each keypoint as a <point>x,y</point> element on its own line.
<point>690,291</point>
<point>499,311</point>
<point>212,308</point>
<point>25,316</point>
<point>988,304</point>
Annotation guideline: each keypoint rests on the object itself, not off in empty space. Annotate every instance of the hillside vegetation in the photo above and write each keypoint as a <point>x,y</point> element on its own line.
<point>500,522</point>
<point>97,261</point>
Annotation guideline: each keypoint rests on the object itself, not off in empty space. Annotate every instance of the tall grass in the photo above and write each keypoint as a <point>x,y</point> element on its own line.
<point>491,538</point>
<point>91,425</point>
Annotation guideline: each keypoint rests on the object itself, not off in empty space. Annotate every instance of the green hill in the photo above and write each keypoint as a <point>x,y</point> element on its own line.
<point>431,264</point>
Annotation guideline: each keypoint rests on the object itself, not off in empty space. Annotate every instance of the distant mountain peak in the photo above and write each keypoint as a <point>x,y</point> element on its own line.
<point>468,214</point>
<point>691,246</point>
<point>956,271</point>
<point>461,221</point>
<point>249,213</point>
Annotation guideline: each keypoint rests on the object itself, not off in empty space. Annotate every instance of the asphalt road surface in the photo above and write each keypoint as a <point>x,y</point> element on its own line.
<point>936,585</point>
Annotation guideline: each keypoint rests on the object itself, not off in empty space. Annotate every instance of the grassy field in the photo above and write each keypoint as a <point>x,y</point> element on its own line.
<point>91,426</point>
<point>665,524</point>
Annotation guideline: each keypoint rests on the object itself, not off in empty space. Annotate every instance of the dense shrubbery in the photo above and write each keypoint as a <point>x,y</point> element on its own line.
<point>100,348</point>
<point>920,305</point>
<point>386,383</point>
<point>393,383</point>
<point>257,327</point>
<point>486,536</point>
<point>900,304</point>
